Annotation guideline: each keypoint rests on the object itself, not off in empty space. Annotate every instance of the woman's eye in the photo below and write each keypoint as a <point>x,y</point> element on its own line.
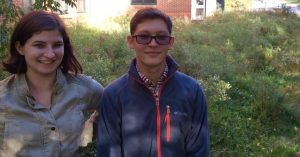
<point>58,45</point>
<point>39,45</point>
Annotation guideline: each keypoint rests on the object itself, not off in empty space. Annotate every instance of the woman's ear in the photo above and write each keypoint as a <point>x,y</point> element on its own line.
<point>19,48</point>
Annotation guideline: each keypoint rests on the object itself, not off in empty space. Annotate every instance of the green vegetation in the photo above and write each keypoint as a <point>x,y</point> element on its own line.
<point>248,64</point>
<point>8,13</point>
<point>52,5</point>
<point>231,5</point>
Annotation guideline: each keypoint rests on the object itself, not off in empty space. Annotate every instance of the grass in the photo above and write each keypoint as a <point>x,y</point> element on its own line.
<point>248,64</point>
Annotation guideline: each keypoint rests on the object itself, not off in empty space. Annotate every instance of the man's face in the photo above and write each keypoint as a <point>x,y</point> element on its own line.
<point>151,54</point>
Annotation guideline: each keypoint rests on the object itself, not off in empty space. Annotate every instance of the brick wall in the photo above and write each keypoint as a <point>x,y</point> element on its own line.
<point>174,8</point>
<point>178,8</point>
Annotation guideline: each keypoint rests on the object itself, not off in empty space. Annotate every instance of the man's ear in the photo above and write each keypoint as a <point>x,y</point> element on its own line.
<point>130,41</point>
<point>19,48</point>
<point>171,43</point>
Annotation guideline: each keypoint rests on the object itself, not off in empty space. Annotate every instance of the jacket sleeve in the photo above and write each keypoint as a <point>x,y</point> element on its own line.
<point>109,127</point>
<point>198,139</point>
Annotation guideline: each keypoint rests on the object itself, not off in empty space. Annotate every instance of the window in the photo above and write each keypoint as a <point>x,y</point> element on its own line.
<point>143,2</point>
<point>198,9</point>
<point>200,2</point>
<point>80,6</point>
<point>63,6</point>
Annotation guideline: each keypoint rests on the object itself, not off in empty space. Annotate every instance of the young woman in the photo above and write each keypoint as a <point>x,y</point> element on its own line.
<point>43,102</point>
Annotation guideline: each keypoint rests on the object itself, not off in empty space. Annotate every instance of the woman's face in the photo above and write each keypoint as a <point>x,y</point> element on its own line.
<point>43,53</point>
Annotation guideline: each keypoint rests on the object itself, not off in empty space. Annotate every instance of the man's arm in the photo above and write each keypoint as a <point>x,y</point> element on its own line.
<point>198,140</point>
<point>109,127</point>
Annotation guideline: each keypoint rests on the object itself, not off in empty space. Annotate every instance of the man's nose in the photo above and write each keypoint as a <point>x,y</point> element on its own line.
<point>153,42</point>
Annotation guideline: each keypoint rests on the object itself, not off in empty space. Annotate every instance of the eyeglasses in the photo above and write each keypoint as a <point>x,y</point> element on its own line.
<point>146,39</point>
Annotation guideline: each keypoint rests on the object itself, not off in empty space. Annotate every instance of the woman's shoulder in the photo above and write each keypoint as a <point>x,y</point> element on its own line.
<point>83,80</point>
<point>8,81</point>
<point>7,84</point>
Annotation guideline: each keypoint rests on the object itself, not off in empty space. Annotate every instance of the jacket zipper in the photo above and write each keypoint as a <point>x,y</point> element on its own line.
<point>168,121</point>
<point>158,127</point>
<point>158,131</point>
<point>158,135</point>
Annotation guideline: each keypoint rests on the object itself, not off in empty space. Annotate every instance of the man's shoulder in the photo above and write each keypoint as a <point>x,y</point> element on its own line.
<point>184,78</point>
<point>187,81</point>
<point>118,84</point>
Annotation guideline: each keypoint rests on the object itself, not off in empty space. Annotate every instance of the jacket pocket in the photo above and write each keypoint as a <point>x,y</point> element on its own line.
<point>176,124</point>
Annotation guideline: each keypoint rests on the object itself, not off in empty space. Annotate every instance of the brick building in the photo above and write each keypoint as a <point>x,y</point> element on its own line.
<point>97,10</point>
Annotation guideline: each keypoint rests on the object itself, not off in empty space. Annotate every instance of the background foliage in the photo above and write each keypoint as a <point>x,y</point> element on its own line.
<point>52,5</point>
<point>248,64</point>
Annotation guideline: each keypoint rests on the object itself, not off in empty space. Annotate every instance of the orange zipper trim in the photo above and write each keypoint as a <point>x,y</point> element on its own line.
<point>168,121</point>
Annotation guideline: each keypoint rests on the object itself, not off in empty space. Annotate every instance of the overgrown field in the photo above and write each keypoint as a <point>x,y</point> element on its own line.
<point>248,64</point>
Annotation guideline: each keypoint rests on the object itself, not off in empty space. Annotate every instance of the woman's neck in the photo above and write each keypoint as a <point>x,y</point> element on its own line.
<point>40,83</point>
<point>41,88</point>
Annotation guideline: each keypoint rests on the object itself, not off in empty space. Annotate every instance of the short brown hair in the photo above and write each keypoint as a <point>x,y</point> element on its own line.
<point>149,13</point>
<point>35,22</point>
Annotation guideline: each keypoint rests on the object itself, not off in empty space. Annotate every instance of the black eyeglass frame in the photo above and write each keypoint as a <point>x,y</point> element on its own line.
<point>151,38</point>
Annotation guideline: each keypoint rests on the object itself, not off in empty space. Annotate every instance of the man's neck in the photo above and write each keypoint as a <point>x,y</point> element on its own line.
<point>152,73</point>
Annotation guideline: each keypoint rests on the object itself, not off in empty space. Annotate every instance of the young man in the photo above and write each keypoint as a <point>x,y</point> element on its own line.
<point>153,110</point>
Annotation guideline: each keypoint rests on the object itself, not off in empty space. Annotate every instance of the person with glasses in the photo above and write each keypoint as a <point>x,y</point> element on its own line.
<point>44,101</point>
<point>153,110</point>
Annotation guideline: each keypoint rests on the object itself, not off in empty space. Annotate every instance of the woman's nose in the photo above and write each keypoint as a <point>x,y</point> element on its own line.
<point>50,53</point>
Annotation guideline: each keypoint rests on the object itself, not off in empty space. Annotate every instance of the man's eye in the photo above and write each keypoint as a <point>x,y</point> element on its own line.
<point>162,37</point>
<point>144,36</point>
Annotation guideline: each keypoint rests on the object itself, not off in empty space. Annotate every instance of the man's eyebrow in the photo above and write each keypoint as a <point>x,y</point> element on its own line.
<point>144,32</point>
<point>148,32</point>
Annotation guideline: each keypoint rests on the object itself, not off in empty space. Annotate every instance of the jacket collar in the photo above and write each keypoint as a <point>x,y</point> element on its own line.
<point>172,65</point>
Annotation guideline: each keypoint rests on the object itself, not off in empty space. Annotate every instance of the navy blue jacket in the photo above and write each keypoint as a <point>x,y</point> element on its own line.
<point>133,123</point>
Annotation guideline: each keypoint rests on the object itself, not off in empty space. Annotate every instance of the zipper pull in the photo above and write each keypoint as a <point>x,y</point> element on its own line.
<point>156,98</point>
<point>168,121</point>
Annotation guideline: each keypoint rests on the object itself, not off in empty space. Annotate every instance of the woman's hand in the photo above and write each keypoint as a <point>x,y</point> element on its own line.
<point>93,117</point>
<point>87,133</point>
